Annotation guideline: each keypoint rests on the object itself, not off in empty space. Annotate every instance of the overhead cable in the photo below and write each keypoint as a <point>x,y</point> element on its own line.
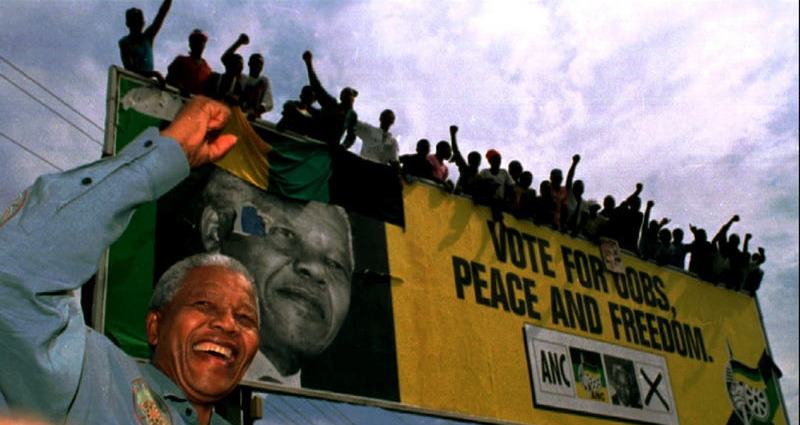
<point>41,86</point>
<point>26,149</point>
<point>49,108</point>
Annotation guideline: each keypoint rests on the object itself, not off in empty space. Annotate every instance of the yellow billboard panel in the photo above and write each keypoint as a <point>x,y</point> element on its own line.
<point>520,323</point>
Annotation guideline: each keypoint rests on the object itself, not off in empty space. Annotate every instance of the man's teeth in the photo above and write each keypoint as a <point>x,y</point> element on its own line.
<point>213,348</point>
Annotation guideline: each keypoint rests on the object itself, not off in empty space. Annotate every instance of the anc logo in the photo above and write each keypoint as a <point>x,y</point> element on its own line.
<point>149,407</point>
<point>753,391</point>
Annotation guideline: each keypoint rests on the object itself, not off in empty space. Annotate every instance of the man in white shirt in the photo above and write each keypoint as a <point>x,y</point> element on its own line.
<point>378,144</point>
<point>257,93</point>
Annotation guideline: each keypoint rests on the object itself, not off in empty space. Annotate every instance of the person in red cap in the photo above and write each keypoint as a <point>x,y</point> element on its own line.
<point>190,73</point>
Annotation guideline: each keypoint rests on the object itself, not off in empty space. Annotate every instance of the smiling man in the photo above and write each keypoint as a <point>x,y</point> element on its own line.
<point>203,319</point>
<point>301,256</point>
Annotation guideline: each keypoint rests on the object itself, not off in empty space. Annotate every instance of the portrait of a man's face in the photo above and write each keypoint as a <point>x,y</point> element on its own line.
<point>300,254</point>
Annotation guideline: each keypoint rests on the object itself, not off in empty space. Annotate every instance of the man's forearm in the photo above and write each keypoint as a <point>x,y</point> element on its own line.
<point>51,246</point>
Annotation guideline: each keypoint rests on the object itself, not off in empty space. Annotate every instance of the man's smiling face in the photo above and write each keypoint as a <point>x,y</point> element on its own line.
<point>206,337</point>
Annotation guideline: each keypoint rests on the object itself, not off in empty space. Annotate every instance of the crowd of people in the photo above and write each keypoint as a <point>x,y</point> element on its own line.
<point>191,74</point>
<point>559,203</point>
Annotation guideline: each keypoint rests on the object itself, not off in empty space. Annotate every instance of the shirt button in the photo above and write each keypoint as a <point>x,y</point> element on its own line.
<point>148,143</point>
<point>86,181</point>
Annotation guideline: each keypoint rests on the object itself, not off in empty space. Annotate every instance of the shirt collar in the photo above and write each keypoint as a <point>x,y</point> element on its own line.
<point>164,386</point>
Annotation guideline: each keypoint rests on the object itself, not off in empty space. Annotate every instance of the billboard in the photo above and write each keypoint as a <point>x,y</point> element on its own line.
<point>451,314</point>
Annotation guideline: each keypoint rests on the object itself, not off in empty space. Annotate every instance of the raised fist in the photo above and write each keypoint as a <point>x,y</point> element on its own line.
<point>576,158</point>
<point>244,39</point>
<point>453,129</point>
<point>650,203</point>
<point>307,56</point>
<point>735,218</point>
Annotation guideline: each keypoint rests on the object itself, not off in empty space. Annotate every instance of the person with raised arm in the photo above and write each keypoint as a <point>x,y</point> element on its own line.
<point>136,48</point>
<point>336,118</point>
<point>203,319</point>
<point>226,87</point>
<point>467,170</point>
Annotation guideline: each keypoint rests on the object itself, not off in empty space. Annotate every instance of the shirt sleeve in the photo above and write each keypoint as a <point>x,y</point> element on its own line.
<point>50,245</point>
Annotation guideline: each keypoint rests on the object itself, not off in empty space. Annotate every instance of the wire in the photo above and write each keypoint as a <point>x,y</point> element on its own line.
<point>41,86</point>
<point>49,108</point>
<point>30,151</point>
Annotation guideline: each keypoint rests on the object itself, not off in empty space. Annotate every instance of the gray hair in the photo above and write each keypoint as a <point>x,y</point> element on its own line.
<point>173,279</point>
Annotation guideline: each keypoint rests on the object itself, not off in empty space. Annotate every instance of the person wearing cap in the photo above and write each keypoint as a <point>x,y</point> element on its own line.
<point>190,73</point>
<point>494,181</point>
<point>336,118</point>
<point>136,48</point>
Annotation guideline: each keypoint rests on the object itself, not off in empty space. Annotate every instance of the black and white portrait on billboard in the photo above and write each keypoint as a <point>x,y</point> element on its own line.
<point>301,255</point>
<point>622,382</point>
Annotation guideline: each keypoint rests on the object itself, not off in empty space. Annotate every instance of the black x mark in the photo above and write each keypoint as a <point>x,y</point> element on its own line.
<point>653,389</point>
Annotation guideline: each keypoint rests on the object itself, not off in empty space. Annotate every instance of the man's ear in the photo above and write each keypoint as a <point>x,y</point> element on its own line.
<point>209,229</point>
<point>152,322</point>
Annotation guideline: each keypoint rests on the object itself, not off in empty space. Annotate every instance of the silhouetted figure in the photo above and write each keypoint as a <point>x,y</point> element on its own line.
<point>256,90</point>
<point>605,227</point>
<point>702,251</point>
<point>136,48</point>
<point>754,273</point>
<point>467,170</point>
<point>573,208</point>
<point>515,170</point>
<point>300,116</point>
<point>417,164</point>
<point>720,258</point>
<point>678,249</point>
<point>649,241</point>
<point>439,170</point>
<point>336,118</point>
<point>738,262</point>
<point>523,198</point>
<point>561,193</point>
<point>594,222</point>
<point>190,73</point>
<point>662,250</point>
<point>627,221</point>
<point>493,184</point>
<point>378,143</point>
<point>543,213</point>
<point>226,87</point>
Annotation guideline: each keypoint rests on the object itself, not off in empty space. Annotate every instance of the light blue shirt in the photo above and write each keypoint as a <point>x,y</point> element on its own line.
<point>51,363</point>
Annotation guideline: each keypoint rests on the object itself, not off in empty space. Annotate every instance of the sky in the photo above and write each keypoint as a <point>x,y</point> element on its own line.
<point>698,100</point>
